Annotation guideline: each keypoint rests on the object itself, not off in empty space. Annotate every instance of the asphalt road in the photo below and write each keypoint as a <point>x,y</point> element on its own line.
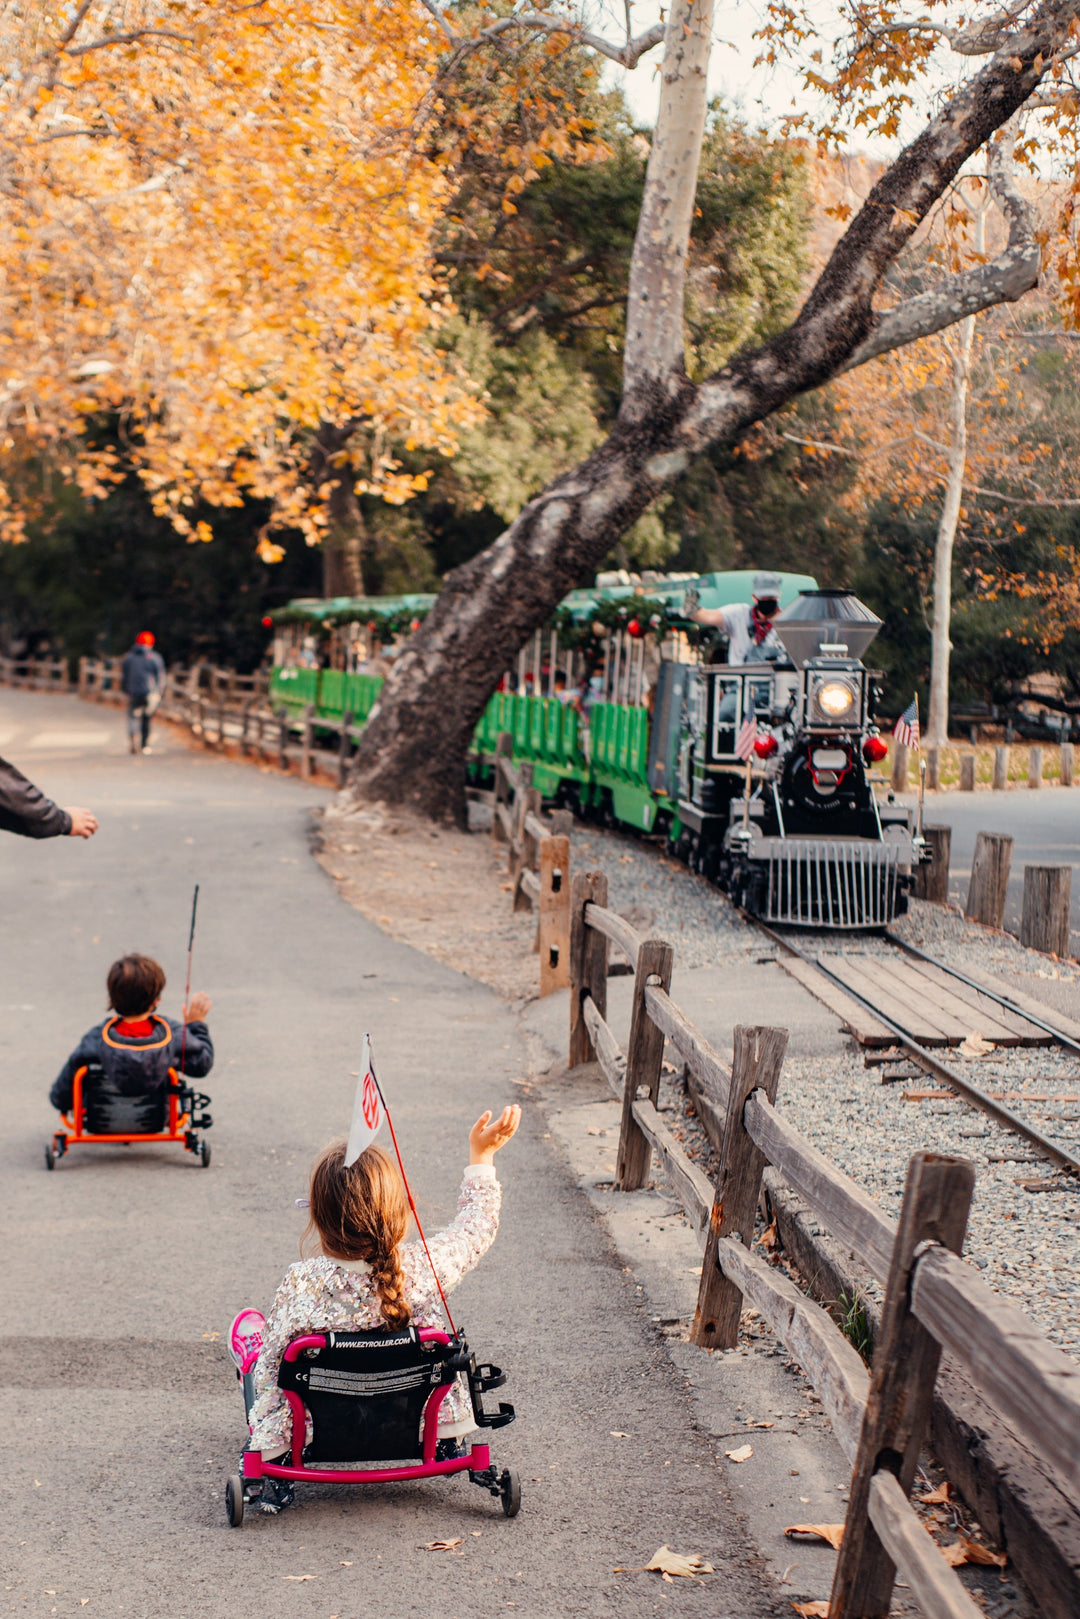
<point>123,1268</point>
<point>1045,825</point>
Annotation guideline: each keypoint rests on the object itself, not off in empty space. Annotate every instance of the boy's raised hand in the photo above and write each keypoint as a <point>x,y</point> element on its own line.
<point>200,1005</point>
<point>488,1135</point>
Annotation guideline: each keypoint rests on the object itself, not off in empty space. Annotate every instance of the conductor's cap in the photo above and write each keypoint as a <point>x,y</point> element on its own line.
<point>766,585</point>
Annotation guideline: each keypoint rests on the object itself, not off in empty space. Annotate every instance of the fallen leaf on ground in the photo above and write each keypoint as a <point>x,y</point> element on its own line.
<point>768,1238</point>
<point>812,1610</point>
<point>299,1576</point>
<point>969,1551</point>
<point>975,1046</point>
<point>937,1497</point>
<point>665,1561</point>
<point>761,1424</point>
<point>831,1533</point>
<point>443,1545</point>
<point>615,1434</point>
<point>743,1454</point>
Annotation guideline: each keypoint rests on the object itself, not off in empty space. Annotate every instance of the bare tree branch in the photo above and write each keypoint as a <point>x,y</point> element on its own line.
<point>627,55</point>
<point>1004,280</point>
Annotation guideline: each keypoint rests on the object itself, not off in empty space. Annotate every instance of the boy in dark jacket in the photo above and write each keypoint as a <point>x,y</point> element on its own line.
<point>130,1054</point>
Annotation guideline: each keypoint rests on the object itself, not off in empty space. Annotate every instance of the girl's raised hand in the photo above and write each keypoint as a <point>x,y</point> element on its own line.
<point>488,1135</point>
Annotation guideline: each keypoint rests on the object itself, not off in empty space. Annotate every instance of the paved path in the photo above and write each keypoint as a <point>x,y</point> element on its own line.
<point>1045,825</point>
<point>117,1404</point>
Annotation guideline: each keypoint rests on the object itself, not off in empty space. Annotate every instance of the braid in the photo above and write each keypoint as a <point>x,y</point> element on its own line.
<point>389,1279</point>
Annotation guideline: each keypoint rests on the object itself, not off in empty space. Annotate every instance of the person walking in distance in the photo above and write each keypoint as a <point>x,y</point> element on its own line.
<point>142,680</point>
<point>25,810</point>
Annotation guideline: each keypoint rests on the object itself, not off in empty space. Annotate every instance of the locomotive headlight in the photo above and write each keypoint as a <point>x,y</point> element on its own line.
<point>835,699</point>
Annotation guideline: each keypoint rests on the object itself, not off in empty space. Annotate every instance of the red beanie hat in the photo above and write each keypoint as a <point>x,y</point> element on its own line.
<point>145,638</point>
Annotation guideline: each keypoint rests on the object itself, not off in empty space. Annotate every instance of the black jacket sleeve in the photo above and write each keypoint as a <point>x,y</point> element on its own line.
<point>198,1050</point>
<point>63,1091</point>
<point>25,809</point>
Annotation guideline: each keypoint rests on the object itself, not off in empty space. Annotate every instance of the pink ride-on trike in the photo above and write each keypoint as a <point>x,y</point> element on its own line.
<point>373,1401</point>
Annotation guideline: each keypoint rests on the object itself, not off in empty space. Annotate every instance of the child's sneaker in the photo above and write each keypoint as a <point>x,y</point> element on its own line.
<point>246,1339</point>
<point>277,1494</point>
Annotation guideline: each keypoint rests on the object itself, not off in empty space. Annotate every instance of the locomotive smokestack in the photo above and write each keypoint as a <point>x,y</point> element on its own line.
<point>826,618</point>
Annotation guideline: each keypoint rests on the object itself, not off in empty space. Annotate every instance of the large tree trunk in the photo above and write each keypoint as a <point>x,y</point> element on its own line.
<point>414,746</point>
<point>343,542</point>
<point>937,726</point>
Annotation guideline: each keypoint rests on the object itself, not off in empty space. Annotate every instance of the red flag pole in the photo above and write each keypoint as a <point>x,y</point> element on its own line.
<point>187,985</point>
<point>412,1205</point>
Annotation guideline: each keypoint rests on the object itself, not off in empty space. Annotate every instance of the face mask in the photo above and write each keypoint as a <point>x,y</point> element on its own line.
<point>768,608</point>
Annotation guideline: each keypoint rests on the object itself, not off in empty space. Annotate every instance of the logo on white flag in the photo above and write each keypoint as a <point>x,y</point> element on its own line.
<point>367,1113</point>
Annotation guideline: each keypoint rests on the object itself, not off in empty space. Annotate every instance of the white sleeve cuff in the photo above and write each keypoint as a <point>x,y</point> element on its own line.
<point>479,1172</point>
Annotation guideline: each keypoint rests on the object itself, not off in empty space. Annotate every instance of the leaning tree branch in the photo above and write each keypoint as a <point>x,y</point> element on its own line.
<point>627,55</point>
<point>1004,280</point>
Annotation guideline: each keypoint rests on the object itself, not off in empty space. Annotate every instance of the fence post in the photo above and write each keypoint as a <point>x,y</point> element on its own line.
<point>344,747</point>
<point>308,740</point>
<point>967,772</point>
<point>525,799</point>
<point>899,767</point>
<point>588,962</point>
<point>1044,921</point>
<point>989,879</point>
<point>199,718</point>
<point>245,722</point>
<point>1034,767</point>
<point>554,908</point>
<point>937,1198</point>
<point>932,879</point>
<point>756,1063</point>
<point>283,736</point>
<point>504,748</point>
<point>1066,764</point>
<point>83,672</point>
<point>644,1058</point>
<point>221,724</point>
<point>1001,769</point>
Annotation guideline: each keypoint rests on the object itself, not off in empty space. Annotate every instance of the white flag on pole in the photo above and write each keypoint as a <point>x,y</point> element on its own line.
<point>367,1113</point>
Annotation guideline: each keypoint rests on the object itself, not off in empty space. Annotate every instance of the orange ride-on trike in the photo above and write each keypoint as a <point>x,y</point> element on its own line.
<point>179,1118</point>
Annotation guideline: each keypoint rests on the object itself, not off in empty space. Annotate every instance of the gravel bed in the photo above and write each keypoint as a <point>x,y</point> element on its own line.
<point>1025,1242</point>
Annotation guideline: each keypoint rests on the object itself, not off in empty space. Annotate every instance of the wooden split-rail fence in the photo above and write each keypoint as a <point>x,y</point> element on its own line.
<point>537,859</point>
<point>933,1300</point>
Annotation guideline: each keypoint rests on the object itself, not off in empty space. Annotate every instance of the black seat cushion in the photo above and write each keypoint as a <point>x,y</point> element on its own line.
<point>366,1393</point>
<point>109,1111</point>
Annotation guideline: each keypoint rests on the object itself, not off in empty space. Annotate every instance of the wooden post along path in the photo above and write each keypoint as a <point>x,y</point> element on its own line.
<point>644,1059</point>
<point>1044,922</point>
<point>989,879</point>
<point>937,1198</point>
<point>588,962</point>
<point>756,1062</point>
<point>1001,770</point>
<point>1066,764</point>
<point>932,879</point>
<point>967,772</point>
<point>1035,767</point>
<point>554,903</point>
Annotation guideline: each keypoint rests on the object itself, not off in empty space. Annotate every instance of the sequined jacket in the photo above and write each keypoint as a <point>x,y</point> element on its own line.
<point>323,1294</point>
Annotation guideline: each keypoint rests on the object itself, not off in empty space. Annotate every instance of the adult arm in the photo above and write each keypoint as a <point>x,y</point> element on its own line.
<point>24,809</point>
<point>714,617</point>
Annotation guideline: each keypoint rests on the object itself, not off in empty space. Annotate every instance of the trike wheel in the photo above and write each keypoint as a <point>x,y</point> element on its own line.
<point>50,1158</point>
<point>510,1492</point>
<point>234,1500</point>
<point>204,1154</point>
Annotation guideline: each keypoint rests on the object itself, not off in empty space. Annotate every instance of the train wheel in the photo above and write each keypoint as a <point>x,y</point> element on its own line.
<point>709,863</point>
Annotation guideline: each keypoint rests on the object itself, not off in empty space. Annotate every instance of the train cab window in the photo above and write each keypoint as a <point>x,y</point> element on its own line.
<point>759,698</point>
<point>726,715</point>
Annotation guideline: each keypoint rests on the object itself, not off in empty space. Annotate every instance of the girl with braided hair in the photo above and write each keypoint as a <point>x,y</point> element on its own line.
<point>365,1275</point>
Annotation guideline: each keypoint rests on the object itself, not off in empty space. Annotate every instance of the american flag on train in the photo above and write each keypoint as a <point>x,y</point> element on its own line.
<point>906,729</point>
<point>744,743</point>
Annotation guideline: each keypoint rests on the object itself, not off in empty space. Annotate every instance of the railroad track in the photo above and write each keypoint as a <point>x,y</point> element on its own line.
<point>877,1002</point>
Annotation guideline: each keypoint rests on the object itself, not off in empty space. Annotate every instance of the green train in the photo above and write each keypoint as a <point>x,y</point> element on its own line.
<point>759,774</point>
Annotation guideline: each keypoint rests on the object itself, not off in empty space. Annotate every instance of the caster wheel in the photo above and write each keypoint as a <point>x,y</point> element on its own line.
<point>510,1492</point>
<point>204,1154</point>
<point>234,1500</point>
<point>50,1158</point>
